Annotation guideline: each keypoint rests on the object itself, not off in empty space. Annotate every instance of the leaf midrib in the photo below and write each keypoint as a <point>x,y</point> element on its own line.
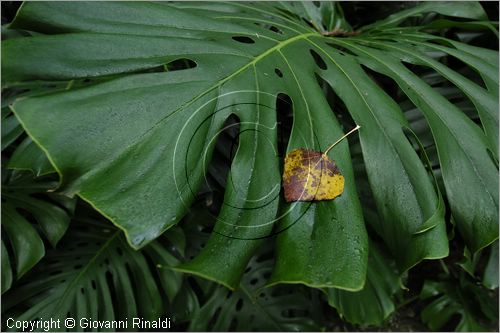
<point>262,56</point>
<point>239,71</point>
<point>206,91</point>
<point>85,268</point>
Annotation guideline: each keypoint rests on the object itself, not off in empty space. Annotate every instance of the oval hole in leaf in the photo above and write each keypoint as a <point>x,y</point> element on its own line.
<point>276,30</point>
<point>243,39</point>
<point>270,27</point>
<point>112,287</point>
<point>215,316</point>
<point>284,110</point>
<point>156,69</point>
<point>318,60</point>
<point>278,72</point>
<point>239,304</point>
<point>180,64</point>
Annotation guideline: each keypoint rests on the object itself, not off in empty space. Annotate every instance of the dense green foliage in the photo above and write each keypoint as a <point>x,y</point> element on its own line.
<point>159,130</point>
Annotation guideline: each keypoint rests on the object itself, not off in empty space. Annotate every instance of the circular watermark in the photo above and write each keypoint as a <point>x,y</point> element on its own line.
<point>251,209</point>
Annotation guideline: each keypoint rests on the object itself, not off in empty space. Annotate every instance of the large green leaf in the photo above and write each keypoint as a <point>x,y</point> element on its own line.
<point>146,133</point>
<point>95,274</point>
<point>163,166</point>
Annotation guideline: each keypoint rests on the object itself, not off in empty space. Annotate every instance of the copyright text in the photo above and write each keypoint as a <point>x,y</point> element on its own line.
<point>86,323</point>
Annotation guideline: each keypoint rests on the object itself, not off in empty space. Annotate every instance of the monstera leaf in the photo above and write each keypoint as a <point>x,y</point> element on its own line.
<point>151,85</point>
<point>24,201</point>
<point>460,297</point>
<point>95,274</point>
<point>281,308</point>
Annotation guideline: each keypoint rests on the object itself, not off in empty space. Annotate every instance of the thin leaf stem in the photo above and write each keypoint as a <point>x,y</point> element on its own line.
<point>342,138</point>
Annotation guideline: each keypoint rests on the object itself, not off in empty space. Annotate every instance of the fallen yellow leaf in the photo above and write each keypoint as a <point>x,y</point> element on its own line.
<point>310,175</point>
